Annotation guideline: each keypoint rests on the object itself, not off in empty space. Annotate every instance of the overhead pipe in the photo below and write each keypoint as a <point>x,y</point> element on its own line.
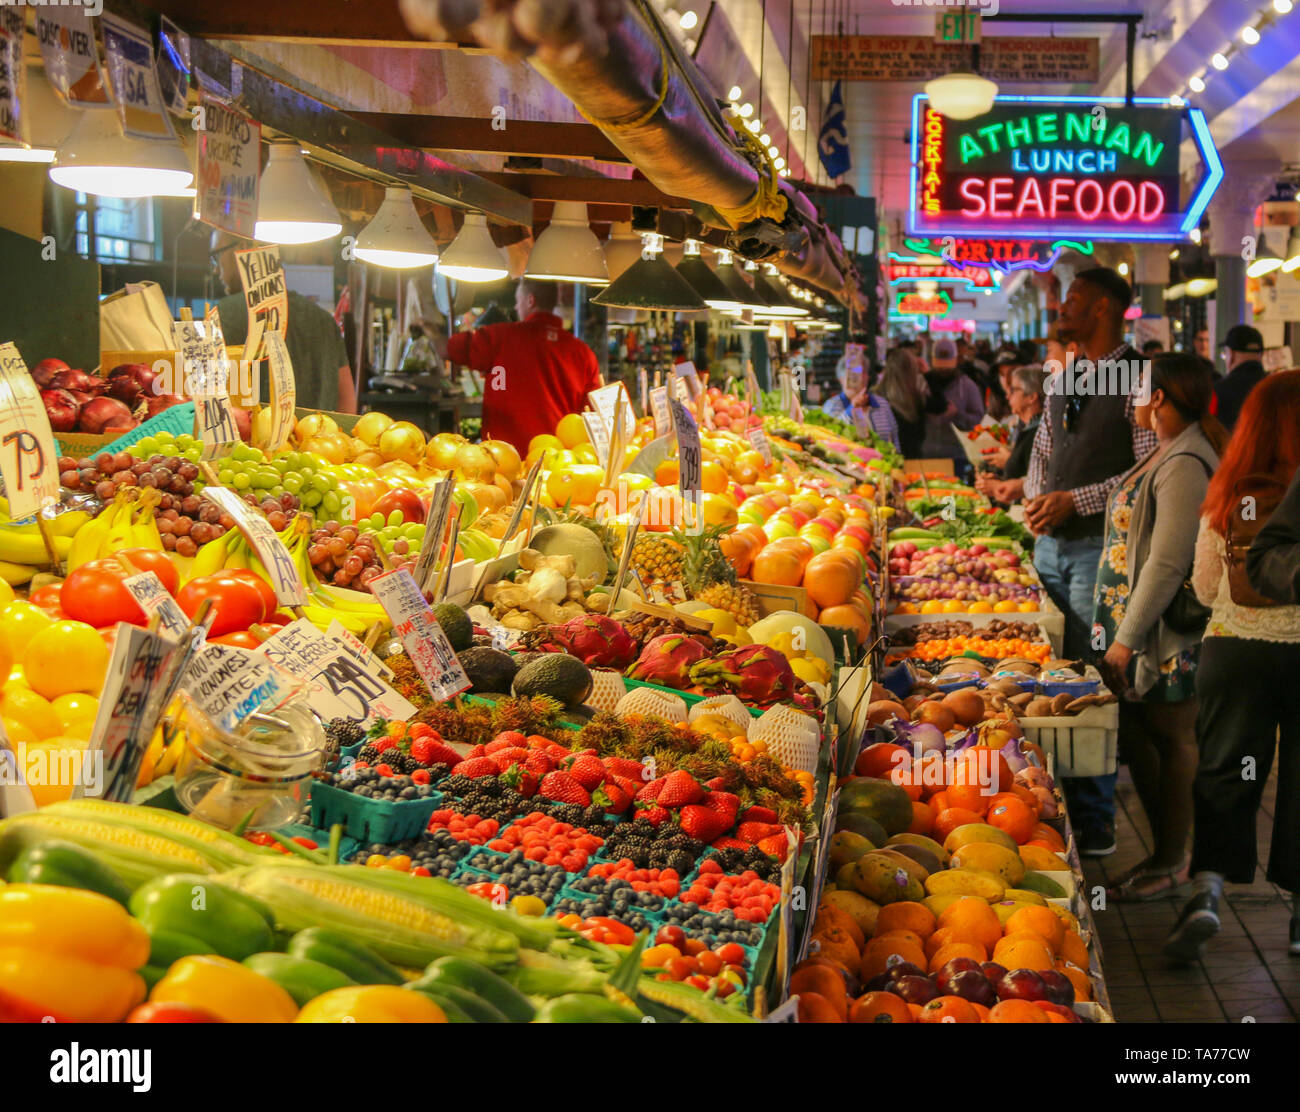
<point>616,62</point>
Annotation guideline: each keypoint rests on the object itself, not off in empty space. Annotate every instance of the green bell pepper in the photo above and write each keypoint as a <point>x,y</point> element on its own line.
<point>301,978</point>
<point>440,989</point>
<point>227,921</point>
<point>68,866</point>
<point>166,947</point>
<point>340,951</point>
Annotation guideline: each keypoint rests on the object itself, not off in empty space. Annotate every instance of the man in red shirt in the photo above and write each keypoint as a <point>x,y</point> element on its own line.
<point>534,372</point>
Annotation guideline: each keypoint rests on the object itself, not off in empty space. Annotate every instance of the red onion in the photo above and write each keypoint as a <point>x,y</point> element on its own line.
<point>103,413</point>
<point>156,403</point>
<point>130,381</point>
<point>921,737</point>
<point>81,396</point>
<point>46,369</point>
<point>61,408</point>
<point>77,380</point>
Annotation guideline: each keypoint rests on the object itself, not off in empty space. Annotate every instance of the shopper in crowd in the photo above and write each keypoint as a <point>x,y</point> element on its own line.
<point>1245,682</point>
<point>997,403</point>
<point>534,371</point>
<point>1026,397</point>
<point>856,405</point>
<point>953,400</point>
<point>1085,442</point>
<point>1151,652</point>
<point>1244,346</point>
<point>903,387</point>
<point>1152,348</point>
<point>1201,343</point>
<point>1273,562</point>
<point>321,371</point>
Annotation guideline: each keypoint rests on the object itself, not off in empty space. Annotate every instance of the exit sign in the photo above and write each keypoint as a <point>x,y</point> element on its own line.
<point>957,26</point>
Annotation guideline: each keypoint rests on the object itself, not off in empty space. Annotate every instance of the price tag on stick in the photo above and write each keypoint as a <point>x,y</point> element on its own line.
<point>28,459</point>
<point>425,642</point>
<point>598,433</point>
<point>270,549</point>
<point>758,438</point>
<point>148,590</point>
<point>284,392</point>
<point>435,527</point>
<point>659,408</point>
<point>690,465</point>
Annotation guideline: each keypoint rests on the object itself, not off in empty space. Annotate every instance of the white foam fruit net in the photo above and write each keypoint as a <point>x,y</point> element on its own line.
<point>607,689</point>
<point>792,737</point>
<point>645,700</point>
<point>726,705</point>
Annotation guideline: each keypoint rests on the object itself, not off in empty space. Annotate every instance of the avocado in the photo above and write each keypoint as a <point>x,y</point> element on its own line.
<point>455,624</point>
<point>488,669</point>
<point>559,675</point>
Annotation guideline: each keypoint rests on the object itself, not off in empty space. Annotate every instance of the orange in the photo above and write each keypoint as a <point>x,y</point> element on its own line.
<point>915,1009</point>
<point>1013,817</point>
<point>906,915</point>
<point>1044,833</point>
<point>974,920</point>
<point>900,935</point>
<point>713,477</point>
<point>667,473</point>
<point>1023,951</point>
<point>831,580</point>
<point>944,936</point>
<point>571,431</point>
<point>910,778</point>
<point>1072,948</point>
<point>972,797</point>
<point>939,802</point>
<point>879,955</point>
<point>1078,978</point>
<point>946,821</point>
<point>922,817</point>
<point>880,1007</point>
<point>981,1011</point>
<point>881,758</point>
<point>775,564</point>
<point>984,768</point>
<point>1041,921</point>
<point>848,617</point>
<point>949,1009</point>
<point>579,483</point>
<point>944,954</point>
<point>1017,1011</point>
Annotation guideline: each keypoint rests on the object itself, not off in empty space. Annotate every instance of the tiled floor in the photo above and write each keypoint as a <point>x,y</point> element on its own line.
<point>1245,972</point>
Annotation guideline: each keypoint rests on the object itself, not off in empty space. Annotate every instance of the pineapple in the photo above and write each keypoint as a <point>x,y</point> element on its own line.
<point>711,579</point>
<point>656,556</point>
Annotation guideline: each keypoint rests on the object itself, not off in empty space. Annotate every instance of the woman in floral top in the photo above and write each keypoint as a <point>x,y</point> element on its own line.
<point>1146,557</point>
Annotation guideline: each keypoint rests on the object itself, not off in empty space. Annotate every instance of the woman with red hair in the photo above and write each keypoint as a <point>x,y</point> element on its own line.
<point>1248,679</point>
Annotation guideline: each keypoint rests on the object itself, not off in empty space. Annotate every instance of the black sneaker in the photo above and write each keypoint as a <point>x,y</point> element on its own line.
<point>1198,923</point>
<point>1294,948</point>
<point>1098,841</point>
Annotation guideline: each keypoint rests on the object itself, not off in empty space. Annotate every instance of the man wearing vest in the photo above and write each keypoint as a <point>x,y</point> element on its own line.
<point>1086,440</point>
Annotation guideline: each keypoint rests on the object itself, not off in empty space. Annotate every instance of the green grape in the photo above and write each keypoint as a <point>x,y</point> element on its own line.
<point>322,483</point>
<point>241,481</point>
<point>331,503</point>
<point>395,517</point>
<point>225,476</point>
<point>376,521</point>
<point>415,529</point>
<point>185,440</point>
<point>277,490</point>
<point>281,465</point>
<point>306,474</point>
<point>292,483</point>
<point>311,498</point>
<point>265,477</point>
<point>147,447</point>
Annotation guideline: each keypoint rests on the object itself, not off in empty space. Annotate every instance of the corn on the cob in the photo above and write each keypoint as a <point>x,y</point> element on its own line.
<point>693,1003</point>
<point>133,854</point>
<point>226,850</point>
<point>399,929</point>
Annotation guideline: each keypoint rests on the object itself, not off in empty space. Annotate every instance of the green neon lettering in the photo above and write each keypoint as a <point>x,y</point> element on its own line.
<point>1019,131</point>
<point>1120,139</point>
<point>1078,125</point>
<point>990,133</point>
<point>1047,127</point>
<point>970,148</point>
<point>1145,149</point>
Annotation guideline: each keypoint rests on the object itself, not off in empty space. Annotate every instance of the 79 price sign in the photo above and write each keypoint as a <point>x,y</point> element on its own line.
<point>28,460</point>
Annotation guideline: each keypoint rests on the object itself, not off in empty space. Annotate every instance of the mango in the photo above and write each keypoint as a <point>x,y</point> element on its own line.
<point>914,867</point>
<point>862,910</point>
<point>991,858</point>
<point>885,880</point>
<point>848,846</point>
<point>978,832</point>
<point>966,882</point>
<point>845,874</point>
<point>1042,860</point>
<point>921,855</point>
<point>906,839</point>
<point>1026,895</point>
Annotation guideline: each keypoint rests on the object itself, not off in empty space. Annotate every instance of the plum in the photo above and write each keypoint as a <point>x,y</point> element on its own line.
<point>952,968</point>
<point>1022,984</point>
<point>915,990</point>
<point>972,985</point>
<point>1059,987</point>
<point>904,969</point>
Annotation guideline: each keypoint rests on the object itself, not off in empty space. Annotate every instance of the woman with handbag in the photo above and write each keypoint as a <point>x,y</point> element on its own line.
<point>1248,682</point>
<point>1142,614</point>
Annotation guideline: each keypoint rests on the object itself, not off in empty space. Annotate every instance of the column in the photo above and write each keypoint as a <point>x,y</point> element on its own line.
<point>1151,276</point>
<point>1246,185</point>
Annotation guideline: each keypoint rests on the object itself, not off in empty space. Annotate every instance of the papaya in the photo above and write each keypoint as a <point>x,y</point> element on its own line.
<point>1042,860</point>
<point>978,832</point>
<point>885,880</point>
<point>848,845</point>
<point>1043,885</point>
<point>991,858</point>
<point>1026,895</point>
<point>822,981</point>
<point>863,910</point>
<point>921,855</point>
<point>885,802</point>
<point>967,882</point>
<point>925,842</point>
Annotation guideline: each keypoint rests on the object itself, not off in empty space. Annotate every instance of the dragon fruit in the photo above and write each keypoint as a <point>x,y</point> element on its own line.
<point>758,674</point>
<point>598,641</point>
<point>667,660</point>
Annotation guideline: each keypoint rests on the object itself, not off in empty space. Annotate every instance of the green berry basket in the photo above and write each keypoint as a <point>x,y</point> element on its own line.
<point>371,820</point>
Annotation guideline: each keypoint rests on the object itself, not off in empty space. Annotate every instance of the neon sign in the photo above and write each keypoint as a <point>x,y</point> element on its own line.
<point>1051,167</point>
<point>999,255</point>
<point>923,304</point>
<point>937,268</point>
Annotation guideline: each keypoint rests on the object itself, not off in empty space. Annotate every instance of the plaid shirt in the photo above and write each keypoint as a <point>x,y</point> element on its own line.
<point>1090,498</point>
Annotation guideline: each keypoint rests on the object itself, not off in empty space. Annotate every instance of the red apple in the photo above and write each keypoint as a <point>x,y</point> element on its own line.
<point>915,990</point>
<point>404,499</point>
<point>1022,984</point>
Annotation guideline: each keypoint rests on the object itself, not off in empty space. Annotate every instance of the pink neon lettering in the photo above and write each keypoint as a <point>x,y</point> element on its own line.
<point>1081,207</point>
<point>970,191</point>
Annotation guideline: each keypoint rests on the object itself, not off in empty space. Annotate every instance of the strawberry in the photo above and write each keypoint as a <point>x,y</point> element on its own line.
<point>504,758</point>
<point>506,739</point>
<point>625,766</point>
<point>651,790</point>
<point>680,788</point>
<point>475,767</point>
<point>752,832</point>
<point>627,783</point>
<point>476,751</point>
<point>724,804</point>
<point>563,788</point>
<point>701,823</point>
<point>613,798</point>
<point>756,813</point>
<point>717,784</point>
<point>728,843</point>
<point>384,743</point>
<point>653,814</point>
<point>433,750</point>
<point>538,763</point>
<point>775,846</point>
<point>587,770</point>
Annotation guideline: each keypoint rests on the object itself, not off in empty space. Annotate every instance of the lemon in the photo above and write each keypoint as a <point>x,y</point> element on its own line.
<point>571,431</point>
<point>528,905</point>
<point>722,621</point>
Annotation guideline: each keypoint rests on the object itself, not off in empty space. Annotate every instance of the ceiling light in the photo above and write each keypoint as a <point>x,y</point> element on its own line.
<point>1196,84</point>
<point>754,126</point>
<point>708,285</point>
<point>779,163</point>
<point>1219,61</point>
<point>1123,268</point>
<point>734,95</point>
<point>746,110</point>
<point>1176,101</point>
<point>395,237</point>
<point>1173,293</point>
<point>651,283</point>
<point>687,20</point>
<point>741,292</point>
<point>1174,253</point>
<point>780,305</point>
<point>1199,287</point>
<point>622,249</point>
<point>568,251</point>
<point>472,256</point>
<point>773,151</point>
<point>765,139</point>
<point>961,96</point>
<point>24,153</point>
<point>1263,264</point>
<point>1250,34</point>
<point>100,159</point>
<point>1282,7</point>
<point>292,205</point>
<point>1195,233</point>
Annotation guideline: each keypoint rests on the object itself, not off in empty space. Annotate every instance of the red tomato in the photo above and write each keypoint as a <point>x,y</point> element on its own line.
<point>94,593</point>
<point>238,604</point>
<point>172,1012</point>
<point>269,601</point>
<point>150,559</point>
<point>242,639</point>
<point>47,597</point>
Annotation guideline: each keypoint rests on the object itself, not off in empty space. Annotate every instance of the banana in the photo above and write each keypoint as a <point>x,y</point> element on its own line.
<point>87,541</point>
<point>167,761</point>
<point>118,536</point>
<point>69,523</point>
<point>211,558</point>
<point>322,616</point>
<point>238,552</point>
<point>16,574</point>
<point>29,548</point>
<point>144,530</point>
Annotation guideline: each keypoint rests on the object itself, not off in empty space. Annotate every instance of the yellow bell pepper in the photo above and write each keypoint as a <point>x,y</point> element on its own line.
<point>230,991</point>
<point>371,1004</point>
<point>69,954</point>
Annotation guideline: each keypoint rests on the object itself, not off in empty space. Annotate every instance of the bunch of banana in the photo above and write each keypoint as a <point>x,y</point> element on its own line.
<point>22,548</point>
<point>126,522</point>
<point>356,611</point>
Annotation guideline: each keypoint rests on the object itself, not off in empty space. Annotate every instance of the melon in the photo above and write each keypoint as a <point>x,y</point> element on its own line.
<point>887,803</point>
<point>585,547</point>
<point>815,640</point>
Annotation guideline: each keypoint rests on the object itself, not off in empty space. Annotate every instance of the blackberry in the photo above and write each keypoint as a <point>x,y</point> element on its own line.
<point>343,732</point>
<point>369,754</point>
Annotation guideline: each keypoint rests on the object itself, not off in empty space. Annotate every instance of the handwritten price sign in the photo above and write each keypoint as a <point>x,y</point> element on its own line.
<point>270,549</point>
<point>28,460</point>
<point>418,630</point>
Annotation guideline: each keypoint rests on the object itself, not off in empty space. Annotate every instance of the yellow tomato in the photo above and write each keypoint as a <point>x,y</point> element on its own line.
<point>585,453</point>
<point>74,706</point>
<point>19,623</point>
<point>32,710</point>
<point>66,656</point>
<point>571,431</point>
<point>544,441</point>
<point>579,484</point>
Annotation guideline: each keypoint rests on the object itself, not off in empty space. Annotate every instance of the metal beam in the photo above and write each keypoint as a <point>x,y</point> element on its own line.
<point>517,137</point>
<point>595,191</point>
